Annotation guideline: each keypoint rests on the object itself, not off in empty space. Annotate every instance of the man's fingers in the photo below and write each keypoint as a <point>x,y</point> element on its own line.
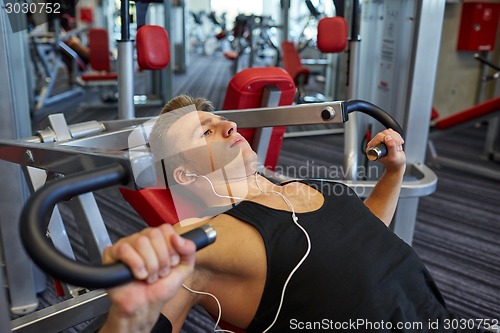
<point>127,254</point>
<point>183,246</point>
<point>153,253</point>
<point>161,249</point>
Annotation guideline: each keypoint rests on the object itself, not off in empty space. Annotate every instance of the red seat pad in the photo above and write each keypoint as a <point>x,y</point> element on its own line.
<point>153,47</point>
<point>292,64</point>
<point>97,76</point>
<point>245,91</point>
<point>332,34</point>
<point>471,113</point>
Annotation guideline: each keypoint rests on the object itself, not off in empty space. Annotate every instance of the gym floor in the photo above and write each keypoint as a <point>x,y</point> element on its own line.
<point>457,231</point>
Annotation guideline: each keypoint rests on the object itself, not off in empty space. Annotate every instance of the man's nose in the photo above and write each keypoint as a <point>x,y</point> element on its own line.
<point>228,128</point>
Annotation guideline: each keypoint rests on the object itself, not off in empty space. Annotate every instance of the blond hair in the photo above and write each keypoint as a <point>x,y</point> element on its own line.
<point>181,101</point>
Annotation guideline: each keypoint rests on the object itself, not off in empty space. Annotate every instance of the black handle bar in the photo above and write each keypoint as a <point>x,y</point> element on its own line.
<point>35,219</point>
<point>485,61</point>
<point>375,112</point>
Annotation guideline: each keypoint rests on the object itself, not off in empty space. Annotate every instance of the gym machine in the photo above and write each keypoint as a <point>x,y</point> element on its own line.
<point>47,49</point>
<point>99,154</point>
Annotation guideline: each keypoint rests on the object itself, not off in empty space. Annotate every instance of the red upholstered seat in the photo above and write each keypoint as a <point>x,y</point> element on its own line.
<point>153,47</point>
<point>245,91</point>
<point>483,109</point>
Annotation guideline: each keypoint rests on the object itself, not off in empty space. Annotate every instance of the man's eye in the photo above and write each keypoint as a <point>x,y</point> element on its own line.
<point>207,132</point>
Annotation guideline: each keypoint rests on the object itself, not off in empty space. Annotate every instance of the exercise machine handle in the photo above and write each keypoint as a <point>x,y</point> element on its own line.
<point>373,111</point>
<point>35,218</point>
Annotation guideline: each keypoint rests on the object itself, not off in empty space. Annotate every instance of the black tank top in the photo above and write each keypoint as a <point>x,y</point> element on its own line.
<point>359,275</point>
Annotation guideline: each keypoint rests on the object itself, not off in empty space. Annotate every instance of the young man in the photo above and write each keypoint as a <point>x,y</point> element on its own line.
<point>293,256</point>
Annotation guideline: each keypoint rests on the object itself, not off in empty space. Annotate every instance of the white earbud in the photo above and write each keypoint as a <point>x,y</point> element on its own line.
<point>191,175</point>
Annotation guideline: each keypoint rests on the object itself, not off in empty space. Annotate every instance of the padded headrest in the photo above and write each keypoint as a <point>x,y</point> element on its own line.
<point>99,49</point>
<point>332,34</point>
<point>153,47</point>
<point>245,88</point>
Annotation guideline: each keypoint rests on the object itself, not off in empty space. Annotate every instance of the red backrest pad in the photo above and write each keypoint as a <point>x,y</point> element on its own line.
<point>153,47</point>
<point>99,49</point>
<point>332,34</point>
<point>245,91</point>
<point>291,62</point>
<point>156,206</point>
<point>471,113</point>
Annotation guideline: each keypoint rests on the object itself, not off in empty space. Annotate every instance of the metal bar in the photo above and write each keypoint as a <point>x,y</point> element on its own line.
<point>14,123</point>
<point>351,141</point>
<point>262,136</point>
<point>303,114</point>
<point>328,131</point>
<point>125,20</point>
<point>485,61</point>
<point>64,314</point>
<point>104,149</point>
<point>4,307</point>
<point>430,14</point>
<point>36,178</point>
<point>57,158</point>
<point>419,180</point>
<point>492,136</point>
<point>323,62</point>
<point>91,226</point>
<point>469,167</point>
<point>118,130</point>
<point>125,79</point>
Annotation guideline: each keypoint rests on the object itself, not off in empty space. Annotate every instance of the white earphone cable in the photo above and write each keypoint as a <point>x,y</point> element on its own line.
<point>304,257</point>
<point>218,306</point>
<point>285,285</point>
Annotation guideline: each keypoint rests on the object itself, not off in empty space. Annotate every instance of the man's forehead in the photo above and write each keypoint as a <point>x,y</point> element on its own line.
<point>195,119</point>
<point>192,120</point>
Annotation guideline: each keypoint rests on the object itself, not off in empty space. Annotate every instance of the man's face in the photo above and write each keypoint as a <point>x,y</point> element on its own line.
<point>210,142</point>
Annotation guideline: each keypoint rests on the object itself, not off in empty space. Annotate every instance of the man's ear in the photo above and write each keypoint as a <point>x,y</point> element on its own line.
<point>180,176</point>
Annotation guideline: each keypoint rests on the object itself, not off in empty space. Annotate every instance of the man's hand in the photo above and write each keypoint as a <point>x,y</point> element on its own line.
<point>384,197</point>
<point>395,160</point>
<point>160,260</point>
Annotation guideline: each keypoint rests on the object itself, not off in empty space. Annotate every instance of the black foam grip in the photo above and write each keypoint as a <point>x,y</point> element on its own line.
<point>35,218</point>
<point>375,112</point>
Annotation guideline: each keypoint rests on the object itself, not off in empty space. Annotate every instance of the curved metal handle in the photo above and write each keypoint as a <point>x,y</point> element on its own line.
<point>375,112</point>
<point>35,219</point>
